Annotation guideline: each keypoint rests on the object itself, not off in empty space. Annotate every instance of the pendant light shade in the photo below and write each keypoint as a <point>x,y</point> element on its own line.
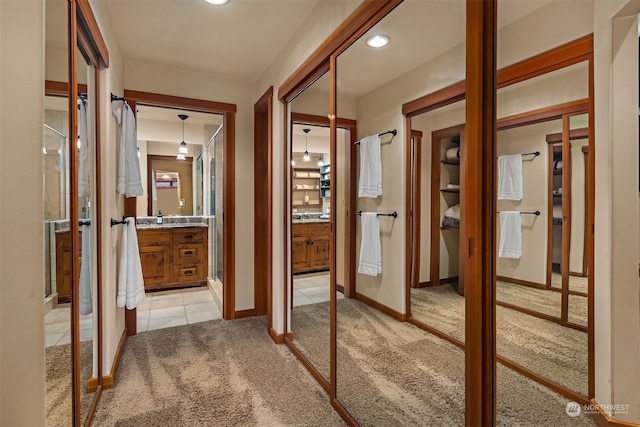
<point>182,149</point>
<point>306,156</point>
<point>321,160</point>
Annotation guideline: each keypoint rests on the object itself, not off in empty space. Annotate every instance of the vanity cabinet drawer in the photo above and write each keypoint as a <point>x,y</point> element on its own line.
<point>154,238</point>
<point>189,273</point>
<point>188,235</point>
<point>189,253</point>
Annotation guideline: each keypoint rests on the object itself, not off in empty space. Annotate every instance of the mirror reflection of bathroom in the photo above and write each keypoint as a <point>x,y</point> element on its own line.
<point>311,175</point>
<point>180,153</point>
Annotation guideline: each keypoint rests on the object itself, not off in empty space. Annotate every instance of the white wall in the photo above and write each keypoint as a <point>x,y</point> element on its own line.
<point>617,334</point>
<point>22,374</point>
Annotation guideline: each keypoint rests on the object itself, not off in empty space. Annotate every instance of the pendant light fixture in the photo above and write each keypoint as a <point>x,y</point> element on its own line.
<point>182,150</point>
<point>321,160</point>
<point>306,156</point>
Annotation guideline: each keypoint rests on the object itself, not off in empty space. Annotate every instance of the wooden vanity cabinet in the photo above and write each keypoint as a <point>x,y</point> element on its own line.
<point>310,247</point>
<point>173,258</point>
<point>64,279</point>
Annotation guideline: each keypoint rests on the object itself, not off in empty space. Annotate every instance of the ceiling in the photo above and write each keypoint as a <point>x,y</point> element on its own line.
<point>240,38</point>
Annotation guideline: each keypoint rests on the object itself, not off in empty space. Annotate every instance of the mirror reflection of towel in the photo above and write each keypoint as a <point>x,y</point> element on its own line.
<point>370,250</point>
<point>86,288</point>
<point>510,235</point>
<point>370,184</point>
<point>510,177</point>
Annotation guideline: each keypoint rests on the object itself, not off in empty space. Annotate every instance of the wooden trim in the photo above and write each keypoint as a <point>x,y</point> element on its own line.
<point>88,25</point>
<point>315,120</point>
<point>333,309</point>
<point>54,88</point>
<point>276,337</point>
<point>286,221</point>
<point>360,20</point>
<point>263,206</point>
<point>402,317</point>
<point>549,267</point>
<point>562,56</point>
<point>544,381</point>
<point>179,102</point>
<point>545,114</point>
<point>290,335</point>
<point>604,420</point>
<point>434,100</point>
<point>241,314</point>
<point>568,54</point>
<point>98,232</point>
<point>425,285</point>
<point>478,207</point>
<point>566,214</point>
<point>542,316</point>
<point>435,332</point>
<point>92,384</point>
<point>307,364</point>
<point>589,235</point>
<point>108,380</point>
<point>521,282</point>
<point>346,416</point>
<point>556,138</point>
<point>413,209</point>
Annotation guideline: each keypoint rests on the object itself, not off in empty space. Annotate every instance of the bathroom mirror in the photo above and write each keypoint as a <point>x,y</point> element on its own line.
<point>58,285</point>
<point>310,228</point>
<point>379,358</point>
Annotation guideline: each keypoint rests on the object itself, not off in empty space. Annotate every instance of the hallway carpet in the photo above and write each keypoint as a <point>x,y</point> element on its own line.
<point>215,373</point>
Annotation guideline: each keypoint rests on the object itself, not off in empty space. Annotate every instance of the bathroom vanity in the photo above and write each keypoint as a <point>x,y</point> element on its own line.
<point>173,255</point>
<point>310,242</point>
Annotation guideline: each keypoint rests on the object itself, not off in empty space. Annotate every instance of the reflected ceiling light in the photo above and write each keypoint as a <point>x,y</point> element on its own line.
<point>306,156</point>
<point>165,176</point>
<point>217,2</point>
<point>379,40</point>
<point>293,162</point>
<point>44,150</point>
<point>321,160</point>
<point>182,150</point>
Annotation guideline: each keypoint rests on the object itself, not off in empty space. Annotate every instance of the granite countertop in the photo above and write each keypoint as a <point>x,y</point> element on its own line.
<point>151,222</point>
<point>310,218</point>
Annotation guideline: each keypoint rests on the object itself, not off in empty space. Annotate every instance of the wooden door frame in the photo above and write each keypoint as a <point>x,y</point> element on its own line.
<point>228,111</point>
<point>263,206</point>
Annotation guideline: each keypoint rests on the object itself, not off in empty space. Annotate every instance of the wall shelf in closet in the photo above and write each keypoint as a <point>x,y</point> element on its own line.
<point>450,162</point>
<point>450,190</point>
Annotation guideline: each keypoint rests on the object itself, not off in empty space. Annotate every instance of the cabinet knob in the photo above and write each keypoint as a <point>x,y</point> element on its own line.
<point>188,252</point>
<point>188,272</point>
<point>188,236</point>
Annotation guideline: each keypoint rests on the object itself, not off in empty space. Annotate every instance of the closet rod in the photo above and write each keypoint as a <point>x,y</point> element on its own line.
<point>393,214</point>
<point>118,98</point>
<point>393,133</point>
<point>116,222</point>
<point>536,213</point>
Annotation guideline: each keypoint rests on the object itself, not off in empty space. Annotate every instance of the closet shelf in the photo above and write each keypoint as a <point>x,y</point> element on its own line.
<point>450,190</point>
<point>449,228</point>
<point>450,162</point>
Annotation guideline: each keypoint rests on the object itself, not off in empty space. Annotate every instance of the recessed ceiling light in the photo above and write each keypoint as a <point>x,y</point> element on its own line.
<point>218,2</point>
<point>379,40</point>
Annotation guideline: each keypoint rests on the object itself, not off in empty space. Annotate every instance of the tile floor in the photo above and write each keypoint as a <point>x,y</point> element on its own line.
<point>311,288</point>
<point>159,310</point>
<point>176,307</point>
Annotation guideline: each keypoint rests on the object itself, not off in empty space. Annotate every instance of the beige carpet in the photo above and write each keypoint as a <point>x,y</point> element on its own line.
<point>58,380</point>
<point>216,373</point>
<point>547,348</point>
<point>393,373</point>
<point>311,327</point>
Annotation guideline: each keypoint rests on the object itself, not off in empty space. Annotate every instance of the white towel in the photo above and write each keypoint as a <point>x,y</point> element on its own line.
<point>510,235</point>
<point>84,162</point>
<point>510,177</point>
<point>154,190</point>
<point>370,251</point>
<point>86,288</point>
<point>370,184</point>
<point>453,212</point>
<point>130,280</point>
<point>129,180</point>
